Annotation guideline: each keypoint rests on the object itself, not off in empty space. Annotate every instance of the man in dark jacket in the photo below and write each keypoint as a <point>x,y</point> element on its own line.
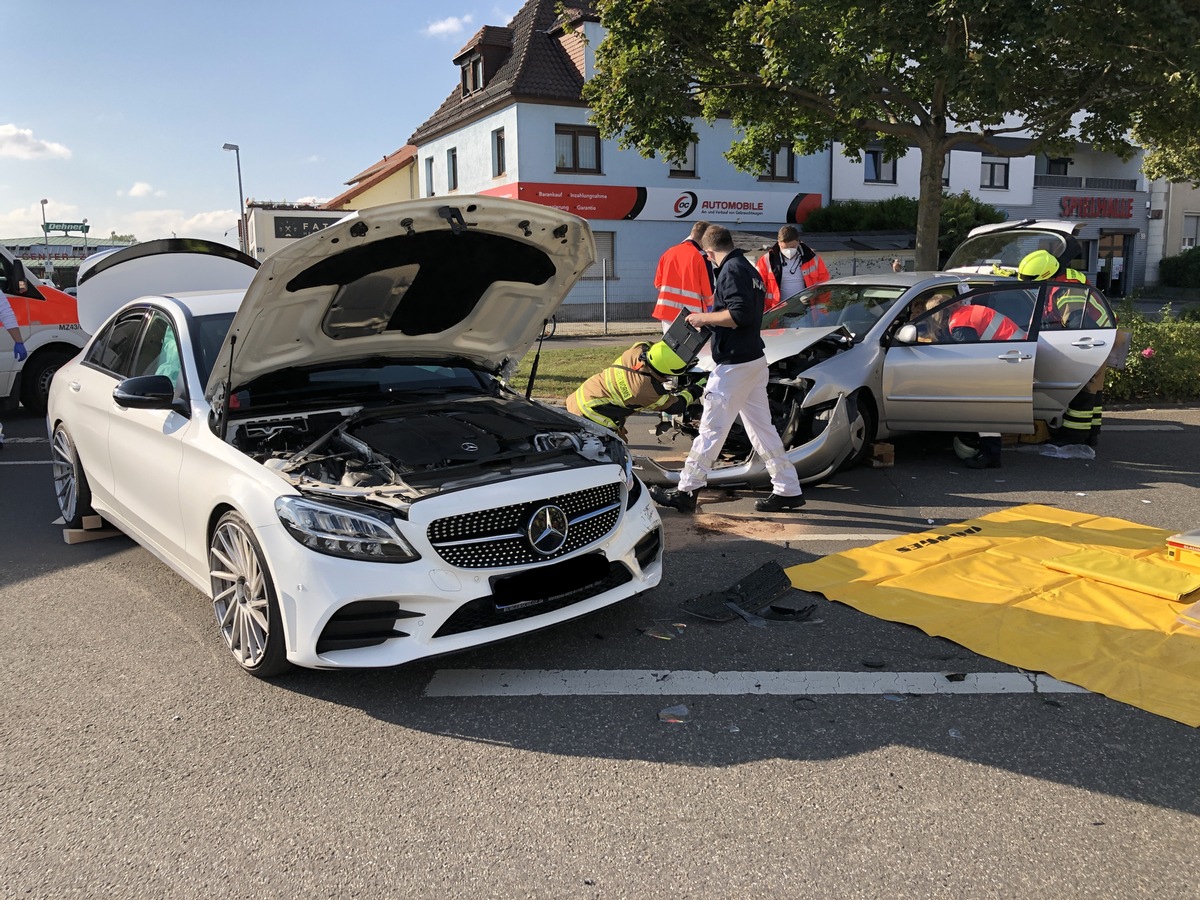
<point>737,386</point>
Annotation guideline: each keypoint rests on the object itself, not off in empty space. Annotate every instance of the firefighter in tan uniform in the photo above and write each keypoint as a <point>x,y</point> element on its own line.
<point>636,382</point>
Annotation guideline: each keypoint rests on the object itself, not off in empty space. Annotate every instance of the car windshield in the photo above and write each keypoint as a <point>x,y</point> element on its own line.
<point>856,306</point>
<point>1002,252</point>
<point>209,333</point>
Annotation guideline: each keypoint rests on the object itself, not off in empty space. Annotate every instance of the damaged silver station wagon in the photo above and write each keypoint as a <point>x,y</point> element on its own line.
<point>856,359</point>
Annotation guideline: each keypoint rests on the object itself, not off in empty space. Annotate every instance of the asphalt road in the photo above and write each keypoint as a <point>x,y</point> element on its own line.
<point>137,761</point>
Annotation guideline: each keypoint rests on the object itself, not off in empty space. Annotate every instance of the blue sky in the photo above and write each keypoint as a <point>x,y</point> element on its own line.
<point>117,111</point>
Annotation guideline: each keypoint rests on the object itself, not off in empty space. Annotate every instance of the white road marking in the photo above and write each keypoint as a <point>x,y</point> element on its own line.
<point>26,462</point>
<point>1108,427</point>
<point>31,440</point>
<point>643,682</point>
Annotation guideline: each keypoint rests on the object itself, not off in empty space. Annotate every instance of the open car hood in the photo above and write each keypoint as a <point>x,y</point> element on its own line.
<point>463,278</point>
<point>780,343</point>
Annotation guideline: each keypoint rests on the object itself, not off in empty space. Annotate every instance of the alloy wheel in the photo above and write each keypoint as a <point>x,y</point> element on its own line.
<point>241,598</point>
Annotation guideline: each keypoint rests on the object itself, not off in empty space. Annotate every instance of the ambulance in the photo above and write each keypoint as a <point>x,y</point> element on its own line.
<point>49,324</point>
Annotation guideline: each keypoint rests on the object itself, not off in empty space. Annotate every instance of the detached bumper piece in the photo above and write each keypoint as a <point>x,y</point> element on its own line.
<point>541,590</point>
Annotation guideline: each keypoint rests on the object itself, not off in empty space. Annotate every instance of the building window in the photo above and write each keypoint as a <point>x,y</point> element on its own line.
<point>781,166</point>
<point>946,171</point>
<point>1191,233</point>
<point>605,264</point>
<point>686,168</point>
<point>499,166</point>
<point>877,169</point>
<point>1058,166</point>
<point>994,173</point>
<point>452,169</point>
<point>577,149</point>
<point>472,75</point>
<point>429,176</point>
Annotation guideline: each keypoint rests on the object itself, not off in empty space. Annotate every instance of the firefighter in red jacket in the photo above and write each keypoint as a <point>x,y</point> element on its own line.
<point>1074,309</point>
<point>636,382</point>
<point>789,267</point>
<point>982,323</point>
<point>684,279</point>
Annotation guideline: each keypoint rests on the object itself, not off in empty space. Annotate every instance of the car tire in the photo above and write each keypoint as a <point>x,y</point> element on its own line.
<point>244,599</point>
<point>71,488</point>
<point>862,432</point>
<point>36,377</point>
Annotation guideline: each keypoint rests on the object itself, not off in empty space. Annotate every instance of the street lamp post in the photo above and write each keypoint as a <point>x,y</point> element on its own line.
<point>85,238</point>
<point>237,154</point>
<point>47,266</point>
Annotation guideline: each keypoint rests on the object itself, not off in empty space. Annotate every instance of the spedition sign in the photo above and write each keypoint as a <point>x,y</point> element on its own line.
<point>1097,207</point>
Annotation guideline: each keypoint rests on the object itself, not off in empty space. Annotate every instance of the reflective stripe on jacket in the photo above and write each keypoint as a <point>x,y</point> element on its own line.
<point>684,281</point>
<point>988,324</point>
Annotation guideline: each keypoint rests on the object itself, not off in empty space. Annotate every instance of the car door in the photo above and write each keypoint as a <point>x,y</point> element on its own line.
<point>89,415</point>
<point>146,445</point>
<point>1075,336</point>
<point>961,379</point>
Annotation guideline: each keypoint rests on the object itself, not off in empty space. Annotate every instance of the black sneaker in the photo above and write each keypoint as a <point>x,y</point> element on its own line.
<point>675,499</point>
<point>778,503</point>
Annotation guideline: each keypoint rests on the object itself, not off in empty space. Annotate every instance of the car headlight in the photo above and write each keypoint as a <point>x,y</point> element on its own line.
<point>345,531</point>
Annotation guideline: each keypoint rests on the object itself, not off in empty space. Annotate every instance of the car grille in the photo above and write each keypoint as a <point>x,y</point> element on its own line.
<point>497,537</point>
<point>538,591</point>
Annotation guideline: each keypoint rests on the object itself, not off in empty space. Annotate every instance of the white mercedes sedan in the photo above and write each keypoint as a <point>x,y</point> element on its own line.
<point>327,447</point>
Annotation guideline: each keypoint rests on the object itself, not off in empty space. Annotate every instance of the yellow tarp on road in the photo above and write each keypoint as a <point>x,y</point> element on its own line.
<point>988,584</point>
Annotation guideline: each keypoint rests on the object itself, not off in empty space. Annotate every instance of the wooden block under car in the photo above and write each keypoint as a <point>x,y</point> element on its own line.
<point>93,530</point>
<point>882,455</point>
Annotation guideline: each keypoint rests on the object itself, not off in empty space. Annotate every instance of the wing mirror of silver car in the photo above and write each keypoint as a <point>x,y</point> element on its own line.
<point>907,334</point>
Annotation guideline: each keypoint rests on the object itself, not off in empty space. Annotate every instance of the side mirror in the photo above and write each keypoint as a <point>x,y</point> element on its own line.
<point>146,392</point>
<point>907,334</point>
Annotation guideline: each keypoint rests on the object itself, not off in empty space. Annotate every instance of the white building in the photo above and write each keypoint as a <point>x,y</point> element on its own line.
<point>516,126</point>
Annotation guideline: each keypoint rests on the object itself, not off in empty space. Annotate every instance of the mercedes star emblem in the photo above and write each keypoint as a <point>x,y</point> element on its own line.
<point>547,530</point>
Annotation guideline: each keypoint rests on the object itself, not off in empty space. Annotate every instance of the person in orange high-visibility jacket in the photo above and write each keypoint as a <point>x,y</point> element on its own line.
<point>982,323</point>
<point>789,267</point>
<point>684,279</point>
<point>1072,309</point>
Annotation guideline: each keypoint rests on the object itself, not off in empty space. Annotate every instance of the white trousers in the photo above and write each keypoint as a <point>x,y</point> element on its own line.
<point>733,391</point>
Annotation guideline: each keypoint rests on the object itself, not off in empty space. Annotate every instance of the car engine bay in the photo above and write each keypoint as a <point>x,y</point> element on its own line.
<point>398,453</point>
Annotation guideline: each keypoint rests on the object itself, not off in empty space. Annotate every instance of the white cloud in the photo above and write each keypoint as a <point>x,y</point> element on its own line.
<point>26,221</point>
<point>315,159</point>
<point>449,27</point>
<point>140,189</point>
<point>19,143</point>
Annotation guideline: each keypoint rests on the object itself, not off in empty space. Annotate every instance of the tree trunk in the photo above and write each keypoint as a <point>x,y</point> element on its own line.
<point>929,207</point>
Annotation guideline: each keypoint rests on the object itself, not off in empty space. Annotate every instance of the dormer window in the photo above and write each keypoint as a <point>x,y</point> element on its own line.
<point>472,75</point>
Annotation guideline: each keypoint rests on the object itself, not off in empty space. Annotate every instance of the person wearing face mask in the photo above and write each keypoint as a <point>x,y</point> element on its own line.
<point>789,267</point>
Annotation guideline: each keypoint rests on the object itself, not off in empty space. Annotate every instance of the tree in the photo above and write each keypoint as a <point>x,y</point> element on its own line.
<point>900,74</point>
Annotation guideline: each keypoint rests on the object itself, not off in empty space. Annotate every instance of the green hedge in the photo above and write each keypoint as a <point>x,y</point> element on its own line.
<point>1163,362</point>
<point>1182,270</point>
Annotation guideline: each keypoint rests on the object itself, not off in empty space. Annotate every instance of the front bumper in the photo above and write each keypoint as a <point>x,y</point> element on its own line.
<point>814,461</point>
<point>430,607</point>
